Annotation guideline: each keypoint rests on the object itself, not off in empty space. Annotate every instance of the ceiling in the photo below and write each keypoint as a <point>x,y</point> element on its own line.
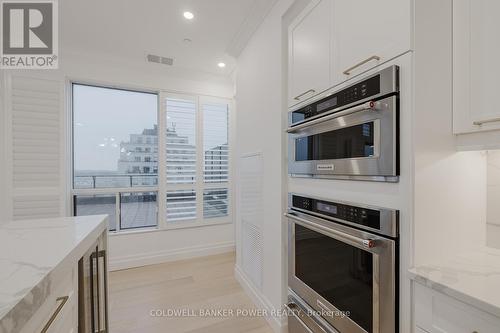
<point>131,29</point>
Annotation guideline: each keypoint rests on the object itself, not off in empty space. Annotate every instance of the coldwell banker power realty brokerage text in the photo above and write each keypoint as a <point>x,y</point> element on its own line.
<point>29,33</point>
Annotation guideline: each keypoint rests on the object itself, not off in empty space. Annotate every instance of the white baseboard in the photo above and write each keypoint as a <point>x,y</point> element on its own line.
<point>278,324</point>
<point>144,259</point>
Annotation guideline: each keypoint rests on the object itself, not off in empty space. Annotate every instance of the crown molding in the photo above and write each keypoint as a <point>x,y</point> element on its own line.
<point>253,20</point>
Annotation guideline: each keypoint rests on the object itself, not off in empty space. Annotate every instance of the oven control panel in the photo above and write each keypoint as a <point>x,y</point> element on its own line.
<point>378,85</point>
<point>353,214</point>
<point>357,92</point>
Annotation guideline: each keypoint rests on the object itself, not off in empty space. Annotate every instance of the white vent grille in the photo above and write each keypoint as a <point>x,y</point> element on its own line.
<point>35,147</point>
<point>160,60</point>
<point>251,214</point>
<point>251,189</point>
<point>252,253</point>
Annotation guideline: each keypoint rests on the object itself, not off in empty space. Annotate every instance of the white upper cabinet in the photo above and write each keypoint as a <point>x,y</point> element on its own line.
<point>368,33</point>
<point>309,52</point>
<point>476,65</point>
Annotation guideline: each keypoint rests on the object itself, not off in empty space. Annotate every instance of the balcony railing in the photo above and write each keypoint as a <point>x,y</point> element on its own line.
<point>131,199</point>
<point>136,209</point>
<point>115,180</point>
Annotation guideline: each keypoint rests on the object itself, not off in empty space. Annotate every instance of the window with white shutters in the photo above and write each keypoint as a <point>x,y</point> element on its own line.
<point>150,168</point>
<point>197,159</point>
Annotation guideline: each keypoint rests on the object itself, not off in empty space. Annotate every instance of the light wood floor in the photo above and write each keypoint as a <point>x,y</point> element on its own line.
<point>195,284</point>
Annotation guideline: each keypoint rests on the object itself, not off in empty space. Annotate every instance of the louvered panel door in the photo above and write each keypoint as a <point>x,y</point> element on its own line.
<point>35,139</point>
<point>251,206</point>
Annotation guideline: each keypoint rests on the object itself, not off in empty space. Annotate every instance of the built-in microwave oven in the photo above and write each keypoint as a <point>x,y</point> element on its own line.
<point>343,263</point>
<point>351,133</point>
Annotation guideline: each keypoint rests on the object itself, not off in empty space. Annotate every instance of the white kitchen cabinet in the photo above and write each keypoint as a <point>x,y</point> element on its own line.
<point>309,51</point>
<point>368,33</point>
<point>48,300</point>
<point>60,309</point>
<point>476,65</point>
<point>439,313</point>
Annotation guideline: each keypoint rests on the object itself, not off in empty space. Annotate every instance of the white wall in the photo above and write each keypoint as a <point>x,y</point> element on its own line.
<point>493,199</point>
<point>144,248</point>
<point>3,191</point>
<point>259,103</point>
<point>138,248</point>
<point>103,69</point>
<point>450,186</point>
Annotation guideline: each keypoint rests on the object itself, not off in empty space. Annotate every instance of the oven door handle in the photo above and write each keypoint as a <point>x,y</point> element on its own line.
<point>309,324</point>
<point>371,105</point>
<point>292,309</point>
<point>342,236</point>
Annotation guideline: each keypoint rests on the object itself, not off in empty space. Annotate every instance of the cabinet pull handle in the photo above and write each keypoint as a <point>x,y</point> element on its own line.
<point>485,121</point>
<point>102,254</point>
<point>304,93</point>
<point>373,57</point>
<point>63,301</point>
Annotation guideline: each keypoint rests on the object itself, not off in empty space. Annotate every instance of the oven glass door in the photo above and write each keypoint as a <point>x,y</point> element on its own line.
<point>354,144</point>
<point>348,142</point>
<point>340,273</point>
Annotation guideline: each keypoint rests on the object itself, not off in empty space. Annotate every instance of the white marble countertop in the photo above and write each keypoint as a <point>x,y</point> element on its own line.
<point>472,277</point>
<point>29,251</point>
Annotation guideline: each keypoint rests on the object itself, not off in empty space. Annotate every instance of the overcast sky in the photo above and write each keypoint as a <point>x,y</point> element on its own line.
<point>102,119</point>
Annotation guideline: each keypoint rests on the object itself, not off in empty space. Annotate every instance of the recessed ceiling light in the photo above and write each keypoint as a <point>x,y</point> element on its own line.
<point>188,15</point>
<point>221,64</point>
<point>187,40</point>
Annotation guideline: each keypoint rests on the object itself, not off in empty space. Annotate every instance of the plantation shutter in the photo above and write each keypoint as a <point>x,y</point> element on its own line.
<point>181,158</point>
<point>181,141</point>
<point>215,158</point>
<point>195,159</point>
<point>215,142</point>
<point>35,147</point>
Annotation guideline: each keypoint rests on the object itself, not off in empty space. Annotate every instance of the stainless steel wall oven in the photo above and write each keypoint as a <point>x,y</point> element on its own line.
<point>343,263</point>
<point>352,133</point>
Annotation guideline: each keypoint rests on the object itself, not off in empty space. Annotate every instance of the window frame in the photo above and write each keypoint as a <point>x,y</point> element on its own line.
<point>199,185</point>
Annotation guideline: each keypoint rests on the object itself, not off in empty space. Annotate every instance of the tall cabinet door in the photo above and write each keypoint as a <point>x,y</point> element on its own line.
<point>368,33</point>
<point>476,65</point>
<point>309,51</point>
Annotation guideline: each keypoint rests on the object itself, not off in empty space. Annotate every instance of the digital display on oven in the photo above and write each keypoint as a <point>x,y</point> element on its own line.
<point>328,104</point>
<point>325,208</point>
